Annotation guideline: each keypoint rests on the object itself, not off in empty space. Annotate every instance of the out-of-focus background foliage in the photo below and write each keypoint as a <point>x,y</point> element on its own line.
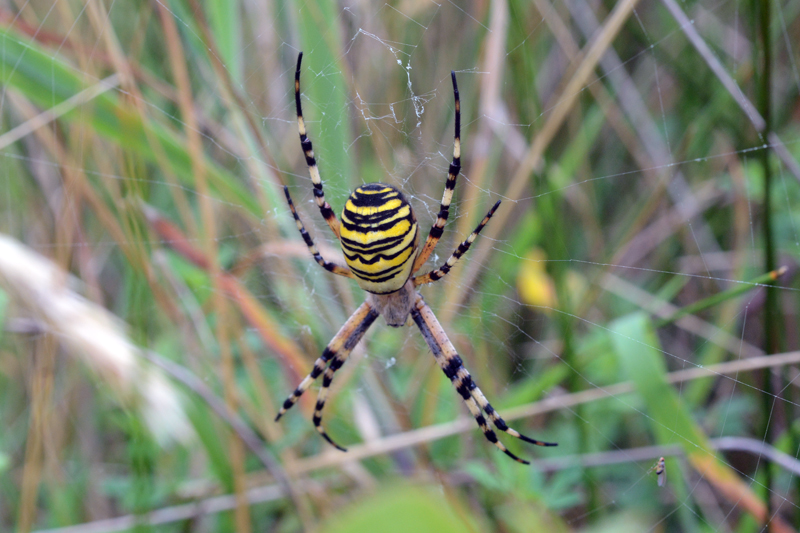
<point>618,303</point>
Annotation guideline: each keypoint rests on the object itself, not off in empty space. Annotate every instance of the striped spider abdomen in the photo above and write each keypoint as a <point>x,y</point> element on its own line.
<point>379,236</point>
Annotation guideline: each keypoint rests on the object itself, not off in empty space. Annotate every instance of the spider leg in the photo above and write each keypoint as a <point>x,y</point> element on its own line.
<point>453,368</point>
<point>336,352</point>
<point>339,360</point>
<point>498,421</point>
<point>330,267</point>
<point>308,151</point>
<point>327,379</point>
<point>439,273</point>
<point>449,187</point>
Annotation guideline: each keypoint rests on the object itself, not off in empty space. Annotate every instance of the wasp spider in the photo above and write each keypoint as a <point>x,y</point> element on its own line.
<point>379,235</point>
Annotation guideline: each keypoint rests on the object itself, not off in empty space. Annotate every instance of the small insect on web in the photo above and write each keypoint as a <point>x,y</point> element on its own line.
<point>379,236</point>
<point>660,469</point>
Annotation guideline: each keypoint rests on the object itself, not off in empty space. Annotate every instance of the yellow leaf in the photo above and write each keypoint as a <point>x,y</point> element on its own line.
<point>534,285</point>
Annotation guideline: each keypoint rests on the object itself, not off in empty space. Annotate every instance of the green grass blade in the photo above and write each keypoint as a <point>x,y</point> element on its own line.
<point>723,296</point>
<point>639,354</point>
<point>47,81</point>
<point>401,509</point>
<point>325,97</point>
<point>225,20</point>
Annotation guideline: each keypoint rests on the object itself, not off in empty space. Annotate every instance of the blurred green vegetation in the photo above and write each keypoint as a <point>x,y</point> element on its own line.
<point>630,250</point>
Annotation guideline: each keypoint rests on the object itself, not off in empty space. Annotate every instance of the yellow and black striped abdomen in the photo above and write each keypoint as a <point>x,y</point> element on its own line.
<point>379,237</point>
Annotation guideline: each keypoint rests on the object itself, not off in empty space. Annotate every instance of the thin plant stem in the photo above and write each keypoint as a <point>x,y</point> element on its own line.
<point>763,60</point>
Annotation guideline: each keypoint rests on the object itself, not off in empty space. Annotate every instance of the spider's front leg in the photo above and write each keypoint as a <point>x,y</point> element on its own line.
<point>327,265</point>
<point>452,366</point>
<point>311,161</point>
<point>450,185</point>
<point>439,273</point>
<point>336,352</point>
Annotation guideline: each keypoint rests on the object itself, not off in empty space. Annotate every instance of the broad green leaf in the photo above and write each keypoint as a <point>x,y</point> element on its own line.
<point>402,509</point>
<point>640,355</point>
<point>522,517</point>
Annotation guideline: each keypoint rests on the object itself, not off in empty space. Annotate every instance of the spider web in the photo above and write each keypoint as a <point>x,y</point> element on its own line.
<point>644,198</point>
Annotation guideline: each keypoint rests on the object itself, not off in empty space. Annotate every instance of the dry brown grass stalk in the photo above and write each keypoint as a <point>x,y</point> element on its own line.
<point>533,159</point>
<point>461,425</point>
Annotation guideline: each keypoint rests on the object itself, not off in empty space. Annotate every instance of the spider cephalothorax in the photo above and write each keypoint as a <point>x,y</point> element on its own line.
<point>379,236</point>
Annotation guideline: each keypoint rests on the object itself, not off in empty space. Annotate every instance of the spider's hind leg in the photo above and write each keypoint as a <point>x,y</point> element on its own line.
<point>336,353</point>
<point>327,379</point>
<point>319,366</point>
<point>490,435</point>
<point>498,421</point>
<point>357,325</point>
<point>453,367</point>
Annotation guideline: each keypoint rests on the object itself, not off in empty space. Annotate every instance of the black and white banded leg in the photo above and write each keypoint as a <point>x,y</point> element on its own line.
<point>439,273</point>
<point>308,151</point>
<point>338,360</point>
<point>327,265</point>
<point>336,354</point>
<point>445,354</point>
<point>498,421</point>
<point>449,187</point>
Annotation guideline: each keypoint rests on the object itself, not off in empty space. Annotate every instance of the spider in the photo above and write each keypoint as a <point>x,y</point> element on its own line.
<point>379,236</point>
